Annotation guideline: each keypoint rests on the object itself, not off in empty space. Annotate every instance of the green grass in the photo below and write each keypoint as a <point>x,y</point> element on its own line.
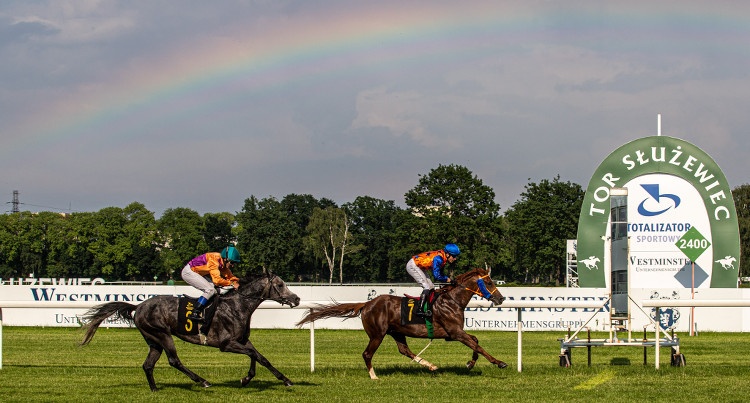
<point>46,364</point>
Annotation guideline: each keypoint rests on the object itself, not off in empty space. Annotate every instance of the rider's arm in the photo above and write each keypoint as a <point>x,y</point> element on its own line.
<point>215,271</point>
<point>437,269</point>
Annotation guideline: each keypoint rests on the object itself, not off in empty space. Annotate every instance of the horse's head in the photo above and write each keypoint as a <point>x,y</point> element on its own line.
<point>279,292</point>
<point>479,282</point>
<point>268,286</point>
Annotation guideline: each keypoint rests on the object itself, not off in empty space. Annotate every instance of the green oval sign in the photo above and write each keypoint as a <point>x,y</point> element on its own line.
<point>646,164</point>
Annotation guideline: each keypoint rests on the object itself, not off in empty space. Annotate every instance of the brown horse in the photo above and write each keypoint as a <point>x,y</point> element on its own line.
<point>382,315</point>
<point>157,320</point>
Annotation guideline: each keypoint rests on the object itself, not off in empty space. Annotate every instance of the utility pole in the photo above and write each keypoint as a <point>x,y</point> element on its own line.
<point>14,208</point>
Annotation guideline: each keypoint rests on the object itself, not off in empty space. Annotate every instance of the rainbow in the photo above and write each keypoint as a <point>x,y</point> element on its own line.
<point>199,77</point>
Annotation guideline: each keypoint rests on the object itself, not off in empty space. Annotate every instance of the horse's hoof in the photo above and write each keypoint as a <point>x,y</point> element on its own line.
<point>205,384</point>
<point>244,381</point>
<point>470,364</point>
<point>288,383</point>
<point>502,365</point>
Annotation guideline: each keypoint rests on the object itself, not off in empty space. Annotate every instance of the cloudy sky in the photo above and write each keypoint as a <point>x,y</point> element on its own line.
<point>203,104</point>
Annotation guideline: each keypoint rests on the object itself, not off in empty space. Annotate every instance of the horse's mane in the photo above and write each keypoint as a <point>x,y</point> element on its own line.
<point>249,280</point>
<point>252,277</point>
<point>471,273</point>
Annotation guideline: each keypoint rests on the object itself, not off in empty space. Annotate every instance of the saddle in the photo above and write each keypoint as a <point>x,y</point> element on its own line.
<point>412,305</point>
<point>186,305</point>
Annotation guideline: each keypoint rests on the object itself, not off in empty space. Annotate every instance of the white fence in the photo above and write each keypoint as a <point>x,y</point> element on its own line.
<point>690,303</point>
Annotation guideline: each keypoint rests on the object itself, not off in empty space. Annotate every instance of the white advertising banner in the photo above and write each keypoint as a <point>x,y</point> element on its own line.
<point>489,318</point>
<point>661,209</point>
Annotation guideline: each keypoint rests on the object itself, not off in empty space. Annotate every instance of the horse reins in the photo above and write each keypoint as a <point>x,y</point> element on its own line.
<point>478,290</point>
<point>266,293</point>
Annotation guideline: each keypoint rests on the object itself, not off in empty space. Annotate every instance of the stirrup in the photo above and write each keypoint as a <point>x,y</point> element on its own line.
<point>196,317</point>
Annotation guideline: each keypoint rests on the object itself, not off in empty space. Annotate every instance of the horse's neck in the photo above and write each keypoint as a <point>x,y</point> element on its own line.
<point>247,304</point>
<point>460,294</point>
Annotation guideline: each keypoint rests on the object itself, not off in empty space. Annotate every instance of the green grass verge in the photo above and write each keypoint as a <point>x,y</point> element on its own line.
<point>46,364</point>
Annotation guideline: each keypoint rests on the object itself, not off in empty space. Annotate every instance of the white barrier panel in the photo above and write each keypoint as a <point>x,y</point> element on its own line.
<point>501,318</point>
<point>520,306</point>
<point>476,317</point>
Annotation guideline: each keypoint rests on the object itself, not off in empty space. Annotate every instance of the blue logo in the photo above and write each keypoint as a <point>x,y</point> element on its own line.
<point>653,191</point>
<point>668,317</point>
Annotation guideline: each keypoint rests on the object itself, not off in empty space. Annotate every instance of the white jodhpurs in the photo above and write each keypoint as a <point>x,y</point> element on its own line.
<point>200,282</point>
<point>419,275</point>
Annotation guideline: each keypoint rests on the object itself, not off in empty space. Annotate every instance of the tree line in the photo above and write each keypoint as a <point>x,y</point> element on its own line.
<point>304,239</point>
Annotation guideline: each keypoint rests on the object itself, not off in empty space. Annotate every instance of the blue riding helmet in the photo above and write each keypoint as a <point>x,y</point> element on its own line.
<point>231,253</point>
<point>452,249</point>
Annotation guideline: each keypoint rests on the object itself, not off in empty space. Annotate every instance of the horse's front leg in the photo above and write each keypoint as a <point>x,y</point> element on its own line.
<point>164,341</point>
<point>250,372</point>
<point>473,343</point>
<point>250,350</point>
<point>474,354</point>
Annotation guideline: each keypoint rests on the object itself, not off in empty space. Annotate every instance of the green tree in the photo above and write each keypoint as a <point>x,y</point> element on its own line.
<point>70,256</point>
<point>123,243</point>
<point>58,240</point>
<point>217,230</point>
<point>26,243</point>
<point>79,255</point>
<point>180,231</point>
<point>329,238</point>
<point>451,204</point>
<point>299,209</point>
<point>144,262</point>
<point>373,226</point>
<point>741,196</point>
<point>10,245</point>
<point>110,245</point>
<point>540,223</point>
<point>266,236</point>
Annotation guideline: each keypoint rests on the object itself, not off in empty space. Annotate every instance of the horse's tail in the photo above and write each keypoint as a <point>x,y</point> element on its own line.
<point>335,310</point>
<point>96,315</point>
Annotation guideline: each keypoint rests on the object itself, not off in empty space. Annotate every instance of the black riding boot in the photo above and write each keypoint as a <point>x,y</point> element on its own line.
<point>425,310</point>
<point>197,313</point>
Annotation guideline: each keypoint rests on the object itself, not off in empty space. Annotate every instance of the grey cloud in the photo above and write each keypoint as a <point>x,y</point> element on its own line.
<point>20,32</point>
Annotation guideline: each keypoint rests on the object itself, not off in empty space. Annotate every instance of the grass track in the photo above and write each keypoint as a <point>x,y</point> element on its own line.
<point>46,364</point>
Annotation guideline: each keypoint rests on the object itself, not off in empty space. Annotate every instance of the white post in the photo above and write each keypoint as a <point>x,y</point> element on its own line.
<point>630,307</point>
<point>1,338</point>
<point>312,346</point>
<point>520,338</point>
<point>658,337</point>
<point>658,124</point>
<point>692,296</point>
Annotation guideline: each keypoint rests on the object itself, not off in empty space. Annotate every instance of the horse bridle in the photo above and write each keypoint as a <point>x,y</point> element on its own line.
<point>477,291</point>
<point>267,289</point>
<point>271,287</point>
<point>266,293</point>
